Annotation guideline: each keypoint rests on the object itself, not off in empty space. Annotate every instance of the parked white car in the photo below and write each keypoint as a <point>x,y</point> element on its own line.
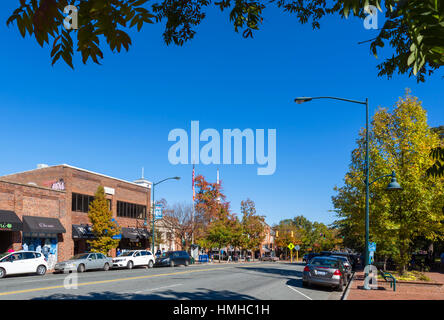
<point>134,258</point>
<point>22,262</point>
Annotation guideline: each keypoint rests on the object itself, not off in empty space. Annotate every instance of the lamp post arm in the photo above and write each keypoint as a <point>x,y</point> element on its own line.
<point>155,184</point>
<point>341,99</point>
<point>385,176</point>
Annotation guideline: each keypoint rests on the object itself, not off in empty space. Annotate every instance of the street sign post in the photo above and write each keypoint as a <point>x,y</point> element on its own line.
<point>297,247</point>
<point>291,247</point>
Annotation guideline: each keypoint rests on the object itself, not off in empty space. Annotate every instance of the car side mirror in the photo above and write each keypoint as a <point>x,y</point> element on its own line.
<point>89,259</point>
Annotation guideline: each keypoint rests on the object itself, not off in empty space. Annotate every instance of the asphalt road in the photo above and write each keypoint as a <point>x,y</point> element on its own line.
<point>234,281</point>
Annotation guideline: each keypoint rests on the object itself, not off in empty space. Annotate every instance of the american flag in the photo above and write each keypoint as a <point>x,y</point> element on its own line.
<point>194,193</point>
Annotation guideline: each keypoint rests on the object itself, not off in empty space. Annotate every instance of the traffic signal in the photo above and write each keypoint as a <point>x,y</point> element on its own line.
<point>292,234</point>
<point>277,234</point>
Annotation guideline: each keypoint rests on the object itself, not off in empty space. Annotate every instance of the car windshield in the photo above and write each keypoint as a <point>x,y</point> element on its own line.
<point>329,263</point>
<point>165,254</point>
<point>80,256</point>
<point>127,254</point>
<point>341,258</point>
<point>3,254</point>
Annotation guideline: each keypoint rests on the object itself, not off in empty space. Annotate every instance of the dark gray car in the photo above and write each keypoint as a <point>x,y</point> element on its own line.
<point>347,264</point>
<point>325,271</point>
<point>85,261</point>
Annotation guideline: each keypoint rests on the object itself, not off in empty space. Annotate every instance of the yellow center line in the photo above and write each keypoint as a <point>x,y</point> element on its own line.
<point>110,281</point>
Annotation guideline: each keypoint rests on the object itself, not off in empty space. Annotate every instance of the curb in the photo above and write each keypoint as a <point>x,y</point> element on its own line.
<point>347,290</point>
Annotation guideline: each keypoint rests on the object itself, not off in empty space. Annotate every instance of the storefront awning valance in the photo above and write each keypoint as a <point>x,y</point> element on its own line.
<point>135,234</point>
<point>42,225</point>
<point>82,232</point>
<point>9,221</point>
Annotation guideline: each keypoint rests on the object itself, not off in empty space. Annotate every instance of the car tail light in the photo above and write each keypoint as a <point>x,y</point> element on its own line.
<point>306,269</point>
<point>337,273</point>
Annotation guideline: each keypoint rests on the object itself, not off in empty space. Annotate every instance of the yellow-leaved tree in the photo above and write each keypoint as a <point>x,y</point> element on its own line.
<point>400,141</point>
<point>103,227</point>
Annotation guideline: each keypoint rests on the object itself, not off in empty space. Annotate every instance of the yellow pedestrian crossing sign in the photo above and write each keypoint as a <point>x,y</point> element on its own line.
<point>291,246</point>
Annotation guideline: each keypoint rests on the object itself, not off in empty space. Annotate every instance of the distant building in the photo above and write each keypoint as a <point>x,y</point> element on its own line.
<point>268,243</point>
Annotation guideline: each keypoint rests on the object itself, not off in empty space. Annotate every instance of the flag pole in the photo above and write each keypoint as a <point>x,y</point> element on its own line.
<point>192,218</point>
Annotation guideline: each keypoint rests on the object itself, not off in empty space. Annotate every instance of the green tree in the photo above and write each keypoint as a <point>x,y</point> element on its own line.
<point>401,141</point>
<point>220,234</point>
<point>253,225</point>
<point>103,228</point>
<point>238,237</point>
<point>413,28</point>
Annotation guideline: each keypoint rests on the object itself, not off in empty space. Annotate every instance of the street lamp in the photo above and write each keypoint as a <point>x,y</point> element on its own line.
<point>392,186</point>
<point>154,204</point>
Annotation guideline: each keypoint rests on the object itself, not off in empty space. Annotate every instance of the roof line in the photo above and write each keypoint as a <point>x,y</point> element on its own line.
<point>104,175</point>
<point>30,185</point>
<point>84,170</point>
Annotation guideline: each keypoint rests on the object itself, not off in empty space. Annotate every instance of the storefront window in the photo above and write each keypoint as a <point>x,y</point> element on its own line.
<point>46,245</point>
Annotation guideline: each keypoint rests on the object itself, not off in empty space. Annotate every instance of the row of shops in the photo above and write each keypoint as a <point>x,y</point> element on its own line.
<point>43,234</point>
<point>46,210</point>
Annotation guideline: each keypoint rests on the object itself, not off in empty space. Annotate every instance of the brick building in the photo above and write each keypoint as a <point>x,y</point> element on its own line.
<point>62,193</point>
<point>19,203</point>
<point>267,246</point>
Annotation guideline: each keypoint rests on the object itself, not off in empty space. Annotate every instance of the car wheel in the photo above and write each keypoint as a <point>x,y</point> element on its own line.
<point>81,268</point>
<point>106,267</point>
<point>41,270</point>
<point>172,263</point>
<point>2,273</point>
<point>186,263</point>
<point>130,265</point>
<point>150,264</point>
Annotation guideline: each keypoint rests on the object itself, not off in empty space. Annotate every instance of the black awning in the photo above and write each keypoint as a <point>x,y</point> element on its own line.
<point>144,233</point>
<point>82,232</point>
<point>42,225</point>
<point>135,234</point>
<point>9,221</point>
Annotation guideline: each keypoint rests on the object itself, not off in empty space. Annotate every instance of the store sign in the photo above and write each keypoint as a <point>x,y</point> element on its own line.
<point>5,226</point>
<point>109,190</point>
<point>46,226</point>
<point>58,185</point>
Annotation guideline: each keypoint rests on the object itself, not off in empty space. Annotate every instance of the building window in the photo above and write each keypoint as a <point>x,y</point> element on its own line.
<point>81,202</point>
<point>130,210</point>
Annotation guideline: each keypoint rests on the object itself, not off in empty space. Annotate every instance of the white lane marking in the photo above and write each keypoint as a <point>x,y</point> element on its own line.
<point>299,292</point>
<point>147,290</point>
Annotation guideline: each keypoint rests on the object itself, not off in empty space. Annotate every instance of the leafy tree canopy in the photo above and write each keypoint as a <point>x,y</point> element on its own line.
<point>413,28</point>
<point>103,227</point>
<point>400,140</point>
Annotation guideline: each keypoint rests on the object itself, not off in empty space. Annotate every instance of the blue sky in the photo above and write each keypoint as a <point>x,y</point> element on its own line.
<point>115,118</point>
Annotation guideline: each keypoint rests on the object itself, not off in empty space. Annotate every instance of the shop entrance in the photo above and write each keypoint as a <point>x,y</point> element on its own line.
<point>5,240</point>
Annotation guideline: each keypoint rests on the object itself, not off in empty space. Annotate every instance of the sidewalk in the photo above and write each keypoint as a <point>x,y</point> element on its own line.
<point>407,290</point>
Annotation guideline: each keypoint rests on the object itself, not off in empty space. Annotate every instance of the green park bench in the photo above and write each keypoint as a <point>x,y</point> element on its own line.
<point>388,277</point>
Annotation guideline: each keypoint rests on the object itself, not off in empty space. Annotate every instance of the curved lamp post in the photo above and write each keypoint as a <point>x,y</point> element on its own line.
<point>392,186</point>
<point>154,205</point>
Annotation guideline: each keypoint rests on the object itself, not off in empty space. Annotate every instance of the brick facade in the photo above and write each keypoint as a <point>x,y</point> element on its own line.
<point>268,240</point>
<point>40,200</point>
<point>26,200</point>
